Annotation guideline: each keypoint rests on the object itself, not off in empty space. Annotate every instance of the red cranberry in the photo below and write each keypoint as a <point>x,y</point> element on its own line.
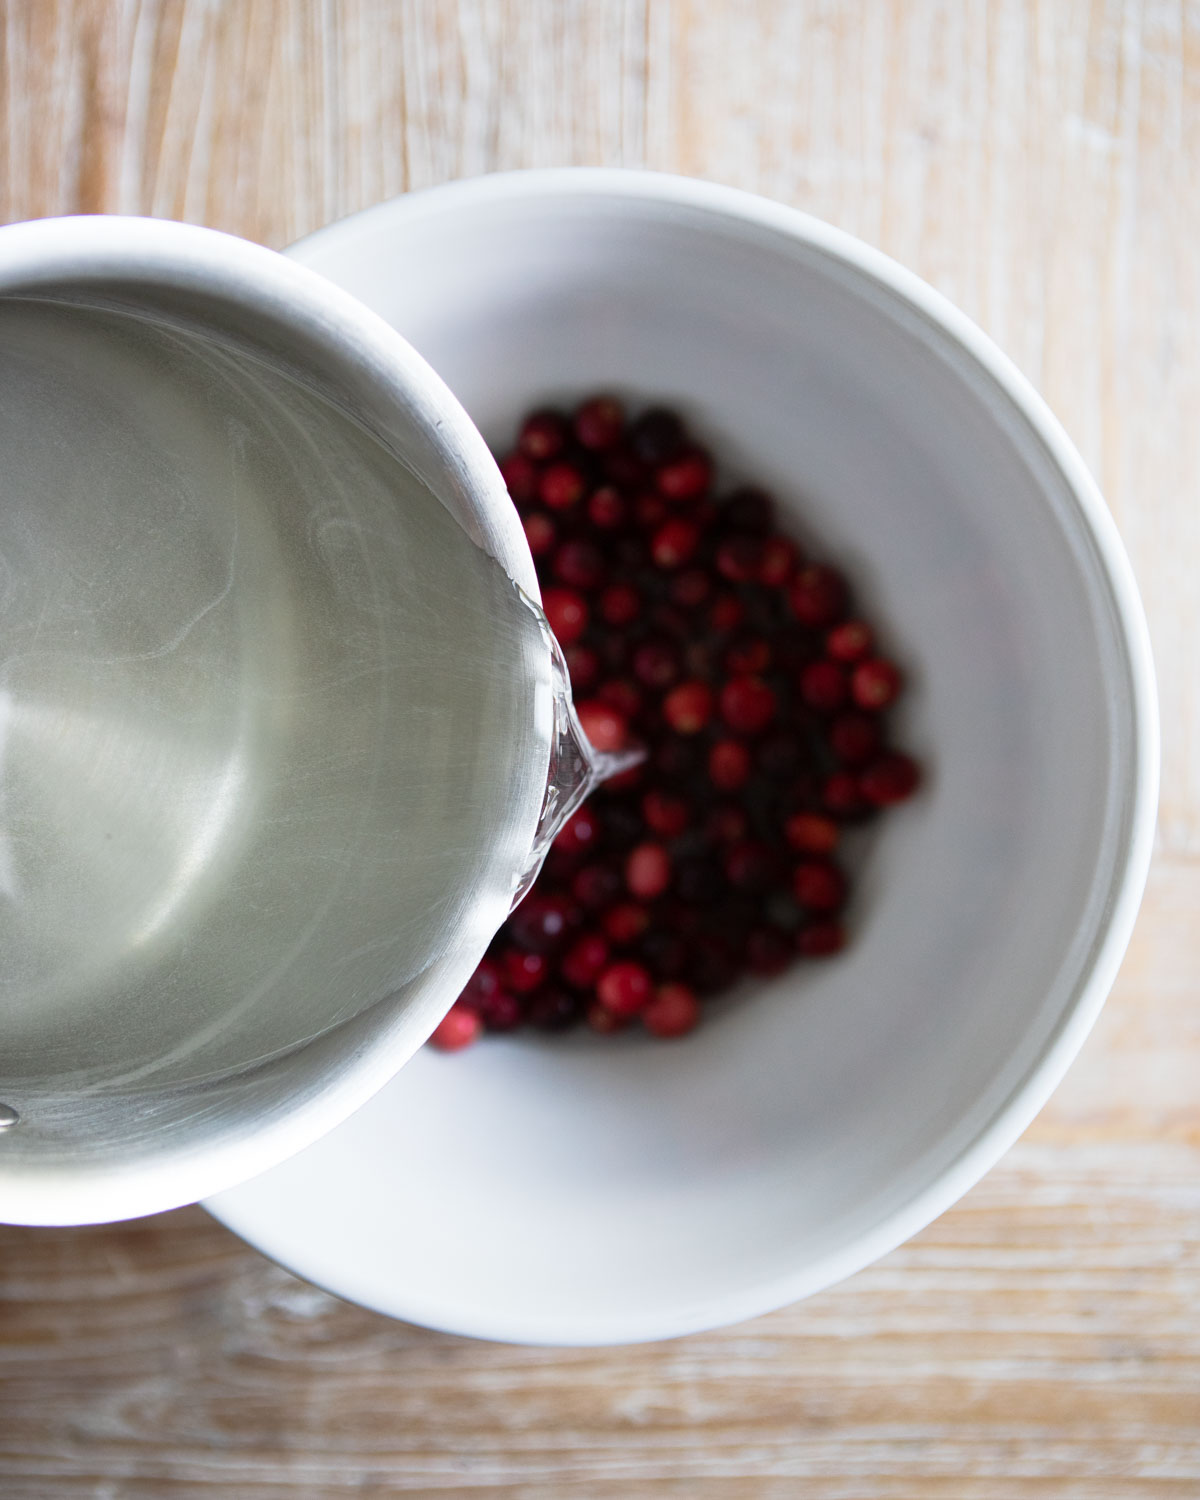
<point>623,467</point>
<point>674,543</point>
<point>583,962</point>
<point>823,686</point>
<point>727,612</point>
<point>540,923</point>
<point>524,972</point>
<point>561,486</point>
<point>657,435</point>
<point>817,596</point>
<point>810,833</point>
<point>599,423</point>
<point>849,642</point>
<point>543,435</point>
<point>729,765</point>
<point>583,665</point>
<point>780,558</point>
<point>620,604</point>
<point>665,814</point>
<point>607,508</point>
<point>457,1029</point>
<point>768,952</point>
<point>691,588</point>
<point>520,474</point>
<point>625,922</point>
<point>606,727</point>
<point>580,565</point>
<point>891,778</point>
<point>688,708</point>
<point>604,1021</point>
<point>748,704</point>
<point>623,695</point>
<point>875,683</point>
<point>649,511</point>
<point>540,532</point>
<point>482,985</point>
<point>595,886</point>
<point>819,886</point>
<point>566,613</point>
<point>672,1012</point>
<point>748,510</point>
<point>726,823</point>
<point>554,1009</point>
<point>580,834</point>
<point>502,1012</point>
<point>750,866</point>
<point>665,953</point>
<point>747,656</point>
<point>854,738</point>
<point>739,558</point>
<point>686,477</point>
<point>820,939</point>
<point>625,988</point>
<point>841,795</point>
<point>656,663</point>
<point>648,871</point>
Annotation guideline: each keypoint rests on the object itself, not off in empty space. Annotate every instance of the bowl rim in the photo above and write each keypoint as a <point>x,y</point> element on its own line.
<point>1099,968</point>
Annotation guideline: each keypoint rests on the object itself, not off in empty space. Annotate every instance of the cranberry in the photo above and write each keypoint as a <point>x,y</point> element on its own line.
<point>810,833</point>
<point>457,1029</point>
<point>580,565</point>
<point>780,558</point>
<point>817,595</point>
<point>566,613</point>
<point>739,558</point>
<point>625,922</point>
<point>649,511</point>
<point>854,738</point>
<point>607,508</point>
<point>819,886</point>
<point>520,474</point>
<point>891,778</point>
<point>666,815</point>
<point>604,1021</point>
<point>657,663</point>
<point>624,988</point>
<point>624,468</point>
<point>648,871</point>
<point>599,423</point>
<point>713,965</point>
<point>729,765</point>
<point>561,486</point>
<point>595,886</point>
<point>726,823</point>
<point>768,952</point>
<point>727,612</point>
<point>606,727</point>
<point>620,604</point>
<point>748,704</point>
<point>674,543</point>
<point>540,923</point>
<point>583,665</point>
<point>664,953</point>
<point>672,1012</point>
<point>657,436</point>
<point>580,834</point>
<point>554,1009</point>
<point>779,755</point>
<point>875,683</point>
<point>583,962</point>
<point>524,972</point>
<point>823,686</point>
<point>750,866</point>
<point>688,708</point>
<point>748,655</point>
<point>686,477</point>
<point>623,695</point>
<point>691,588</point>
<point>502,1012</point>
<point>543,435</point>
<point>849,642</point>
<point>820,939</point>
<point>749,510</point>
<point>540,532</point>
<point>841,795</point>
<point>698,881</point>
<point>482,985</point>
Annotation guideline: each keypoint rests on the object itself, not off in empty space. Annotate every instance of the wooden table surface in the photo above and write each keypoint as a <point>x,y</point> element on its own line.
<point>1039,161</point>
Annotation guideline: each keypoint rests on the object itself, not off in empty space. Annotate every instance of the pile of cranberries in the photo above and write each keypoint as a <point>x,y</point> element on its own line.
<point>694,628</point>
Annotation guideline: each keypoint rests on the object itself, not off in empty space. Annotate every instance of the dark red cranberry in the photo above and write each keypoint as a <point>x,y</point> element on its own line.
<point>606,727</point>
<point>457,1029</point>
<point>623,823</point>
<point>503,1012</point>
<point>482,985</point>
<point>599,423</point>
<point>596,886</point>
<point>580,834</point>
<point>566,613</point>
<point>665,814</point>
<point>747,655</point>
<point>855,737</point>
<point>685,477</point>
<point>726,612</point>
<point>583,963</point>
<point>891,778</point>
<point>624,468</point>
<point>580,565</point>
<point>811,833</point>
<point>673,1011</point>
<point>540,532</point>
<point>678,759</point>
<point>620,604</point>
<point>739,558</point>
<point>780,559</point>
<point>674,543</point>
<point>649,511</point>
<point>648,871</point>
<point>823,686</point>
<point>524,972</point>
<point>607,508</point>
<point>625,988</point>
<point>728,765</point>
<point>625,922</point>
<point>841,795</point>
<point>818,886</point>
<point>657,436</point>
<point>698,881</point>
<point>605,1022</point>
<point>541,923</point>
<point>751,866</point>
<point>520,474</point>
<point>817,596</point>
<point>726,823</point>
<point>748,704</point>
<point>875,683</point>
<point>849,642</point>
<point>768,951</point>
<point>561,486</point>
<point>665,954</point>
<point>690,589</point>
<point>554,1009</point>
<point>713,965</point>
<point>688,707</point>
<point>543,435</point>
<point>779,755</point>
<point>583,665</point>
<point>625,696</point>
<point>657,663</point>
<point>748,510</point>
<point>820,939</point>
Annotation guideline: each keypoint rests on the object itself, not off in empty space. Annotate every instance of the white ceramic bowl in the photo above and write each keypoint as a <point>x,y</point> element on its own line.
<point>585,1191</point>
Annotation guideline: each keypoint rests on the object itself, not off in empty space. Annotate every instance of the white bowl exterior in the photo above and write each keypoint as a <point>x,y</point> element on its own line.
<point>583,1192</point>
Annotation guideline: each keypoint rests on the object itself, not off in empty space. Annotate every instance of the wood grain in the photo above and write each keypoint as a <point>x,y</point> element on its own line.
<point>1038,160</point>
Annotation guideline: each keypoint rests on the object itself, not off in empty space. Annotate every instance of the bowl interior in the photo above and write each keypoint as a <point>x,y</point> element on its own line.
<point>585,1190</point>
